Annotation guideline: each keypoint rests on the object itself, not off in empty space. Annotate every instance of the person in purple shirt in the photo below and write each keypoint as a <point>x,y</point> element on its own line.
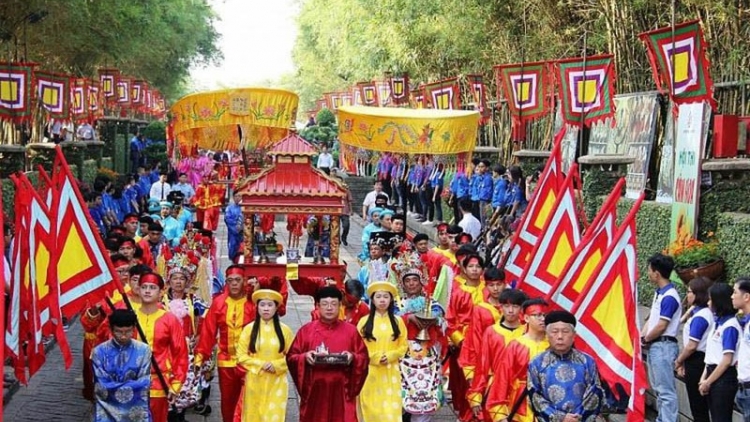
<point>397,173</point>
<point>416,184</point>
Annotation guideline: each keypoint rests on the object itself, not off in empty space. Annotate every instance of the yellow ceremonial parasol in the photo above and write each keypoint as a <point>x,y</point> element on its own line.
<point>233,118</point>
<point>408,131</point>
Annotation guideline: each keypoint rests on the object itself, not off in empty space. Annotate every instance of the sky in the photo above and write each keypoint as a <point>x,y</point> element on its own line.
<point>257,37</point>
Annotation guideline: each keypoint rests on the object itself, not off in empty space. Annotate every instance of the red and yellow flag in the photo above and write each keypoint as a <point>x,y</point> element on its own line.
<point>561,235</point>
<point>537,213</point>
<point>608,318</point>
<point>587,256</point>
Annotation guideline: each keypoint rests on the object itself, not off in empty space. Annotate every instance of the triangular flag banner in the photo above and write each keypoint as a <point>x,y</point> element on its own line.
<point>525,86</point>
<point>369,93</point>
<point>607,313</point>
<point>587,89</point>
<point>15,91</point>
<point>681,58</point>
<point>587,256</point>
<point>88,274</point>
<point>417,98</point>
<point>478,91</point>
<point>443,95</point>
<point>124,93</point>
<point>94,99</point>
<point>52,92</point>
<point>560,237</point>
<point>537,213</point>
<point>400,89</point>
<point>384,92</point>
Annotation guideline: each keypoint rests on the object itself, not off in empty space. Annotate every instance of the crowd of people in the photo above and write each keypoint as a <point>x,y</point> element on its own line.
<point>417,329</point>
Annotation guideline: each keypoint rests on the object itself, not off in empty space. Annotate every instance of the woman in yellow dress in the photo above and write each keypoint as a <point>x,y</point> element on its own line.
<point>261,351</point>
<point>385,337</point>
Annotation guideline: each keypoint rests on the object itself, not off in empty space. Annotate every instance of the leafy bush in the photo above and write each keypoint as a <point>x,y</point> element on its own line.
<point>733,232</point>
<point>325,118</point>
<point>155,131</point>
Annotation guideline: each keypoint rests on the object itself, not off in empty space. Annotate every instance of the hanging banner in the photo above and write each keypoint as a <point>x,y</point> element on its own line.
<point>79,98</point>
<point>384,93</point>
<point>346,98</point>
<point>687,170</point>
<point>136,93</point>
<point>264,114</point>
<point>52,92</point>
<point>478,92</point>
<point>108,82</point>
<point>357,96</point>
<point>587,89</point>
<point>321,104</point>
<point>15,91</point>
<point>443,95</point>
<point>525,86</point>
<point>124,98</point>
<point>680,58</point>
<point>369,93</point>
<point>417,98</point>
<point>94,99</point>
<point>409,131</point>
<point>400,89</point>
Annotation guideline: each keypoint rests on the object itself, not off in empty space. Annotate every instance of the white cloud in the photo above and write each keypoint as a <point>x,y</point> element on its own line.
<point>257,37</point>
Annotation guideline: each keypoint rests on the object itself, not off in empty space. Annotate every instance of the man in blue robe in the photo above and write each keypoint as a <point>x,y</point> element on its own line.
<point>122,373</point>
<point>173,230</point>
<point>369,229</point>
<point>234,221</point>
<point>563,382</point>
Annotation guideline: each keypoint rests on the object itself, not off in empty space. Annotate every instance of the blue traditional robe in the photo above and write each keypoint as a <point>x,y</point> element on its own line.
<point>172,230</point>
<point>366,232</point>
<point>324,241</point>
<point>372,271</point>
<point>564,384</point>
<point>122,379</point>
<point>233,219</point>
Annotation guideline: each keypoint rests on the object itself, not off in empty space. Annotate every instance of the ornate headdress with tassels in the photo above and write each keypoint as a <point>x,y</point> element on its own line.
<point>408,264</point>
<point>183,262</point>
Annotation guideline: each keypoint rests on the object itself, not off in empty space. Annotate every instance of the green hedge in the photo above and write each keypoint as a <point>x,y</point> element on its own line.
<point>9,198</point>
<point>596,185</point>
<point>733,233</point>
<point>90,169</point>
<point>724,196</point>
<point>121,153</point>
<point>107,163</point>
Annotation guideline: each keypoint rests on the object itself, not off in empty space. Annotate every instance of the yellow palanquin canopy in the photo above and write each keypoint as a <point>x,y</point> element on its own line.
<point>211,120</point>
<point>408,131</point>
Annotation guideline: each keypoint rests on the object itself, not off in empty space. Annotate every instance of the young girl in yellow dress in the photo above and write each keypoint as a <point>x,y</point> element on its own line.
<point>385,337</point>
<point>261,351</point>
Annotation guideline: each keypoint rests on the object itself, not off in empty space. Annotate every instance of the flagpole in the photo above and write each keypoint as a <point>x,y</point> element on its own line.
<point>523,62</point>
<point>583,96</point>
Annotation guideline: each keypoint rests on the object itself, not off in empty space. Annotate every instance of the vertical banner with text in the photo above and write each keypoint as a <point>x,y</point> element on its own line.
<point>687,170</point>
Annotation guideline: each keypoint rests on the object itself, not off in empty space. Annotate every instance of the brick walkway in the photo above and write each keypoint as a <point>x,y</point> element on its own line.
<point>54,395</point>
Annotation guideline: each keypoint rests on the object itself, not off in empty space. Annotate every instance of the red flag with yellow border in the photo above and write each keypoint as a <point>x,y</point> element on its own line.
<point>537,213</point>
<point>607,313</point>
<point>588,254</point>
<point>560,237</point>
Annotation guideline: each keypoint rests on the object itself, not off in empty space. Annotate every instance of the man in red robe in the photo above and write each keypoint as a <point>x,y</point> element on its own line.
<point>352,307</point>
<point>328,392</point>
<point>506,400</point>
<point>207,201</point>
<point>491,345</point>
<point>483,315</point>
<point>228,314</point>
<point>164,335</point>
<point>466,293</point>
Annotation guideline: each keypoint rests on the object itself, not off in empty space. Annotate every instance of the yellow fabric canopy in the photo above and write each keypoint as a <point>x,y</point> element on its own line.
<point>209,119</point>
<point>408,131</point>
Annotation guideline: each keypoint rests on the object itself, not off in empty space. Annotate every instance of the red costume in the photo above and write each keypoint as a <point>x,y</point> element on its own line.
<point>147,258</point>
<point>510,380</point>
<point>266,223</point>
<point>207,201</point>
<point>458,317</point>
<point>164,335</point>
<point>493,342</point>
<point>226,317</point>
<point>435,262</point>
<point>295,224</point>
<point>328,393</point>
<point>482,316</point>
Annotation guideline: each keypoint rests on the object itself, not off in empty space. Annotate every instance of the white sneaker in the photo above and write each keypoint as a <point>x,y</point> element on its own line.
<point>427,223</point>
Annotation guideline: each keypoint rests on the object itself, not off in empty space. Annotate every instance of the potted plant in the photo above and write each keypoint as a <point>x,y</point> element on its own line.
<point>694,258</point>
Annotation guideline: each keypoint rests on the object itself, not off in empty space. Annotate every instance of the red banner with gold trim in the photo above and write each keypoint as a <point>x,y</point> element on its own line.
<point>53,94</point>
<point>443,95</point>
<point>16,80</point>
<point>369,93</point>
<point>400,89</point>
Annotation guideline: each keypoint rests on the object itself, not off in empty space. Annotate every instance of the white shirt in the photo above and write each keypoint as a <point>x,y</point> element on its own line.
<point>159,191</point>
<point>707,315</point>
<point>715,349</point>
<point>673,325</point>
<point>325,159</point>
<point>85,132</point>
<point>743,355</point>
<point>370,198</point>
<point>471,225</point>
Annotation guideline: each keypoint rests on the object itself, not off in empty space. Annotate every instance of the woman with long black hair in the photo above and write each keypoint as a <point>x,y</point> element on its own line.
<point>385,338</point>
<point>517,196</point>
<point>719,379</point>
<point>261,351</point>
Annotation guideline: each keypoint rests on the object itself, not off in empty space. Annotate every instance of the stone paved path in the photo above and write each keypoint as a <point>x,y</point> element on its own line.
<point>54,395</point>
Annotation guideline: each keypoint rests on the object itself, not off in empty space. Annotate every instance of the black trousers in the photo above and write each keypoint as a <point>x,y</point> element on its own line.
<point>721,394</point>
<point>694,366</point>
<point>344,228</point>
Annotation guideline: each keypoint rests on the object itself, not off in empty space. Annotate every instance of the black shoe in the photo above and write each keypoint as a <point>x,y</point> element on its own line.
<point>343,242</point>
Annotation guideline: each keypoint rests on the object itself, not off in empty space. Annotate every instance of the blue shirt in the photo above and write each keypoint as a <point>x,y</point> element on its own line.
<point>436,179</point>
<point>186,189</point>
<point>122,378</point>
<point>698,326</point>
<point>484,190</point>
<point>460,185</point>
<point>474,187</point>
<point>499,188</point>
<point>564,384</point>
